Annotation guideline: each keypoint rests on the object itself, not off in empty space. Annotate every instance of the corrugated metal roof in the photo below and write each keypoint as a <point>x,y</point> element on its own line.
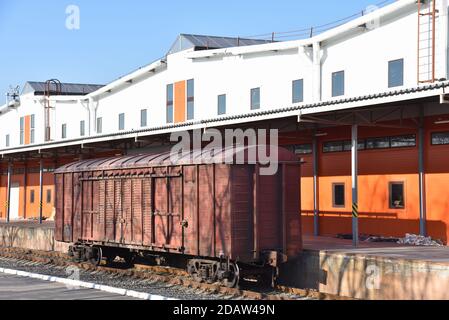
<point>188,41</point>
<point>203,156</point>
<point>67,88</point>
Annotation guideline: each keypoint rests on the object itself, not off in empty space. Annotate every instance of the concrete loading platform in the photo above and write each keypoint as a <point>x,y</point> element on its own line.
<point>30,235</point>
<point>381,271</point>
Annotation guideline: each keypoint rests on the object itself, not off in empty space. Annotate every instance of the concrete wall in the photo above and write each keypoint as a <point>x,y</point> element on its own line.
<point>33,238</point>
<point>364,277</point>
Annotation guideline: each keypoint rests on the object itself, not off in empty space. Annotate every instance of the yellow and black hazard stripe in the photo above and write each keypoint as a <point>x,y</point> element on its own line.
<point>6,204</point>
<point>355,210</point>
<point>41,204</point>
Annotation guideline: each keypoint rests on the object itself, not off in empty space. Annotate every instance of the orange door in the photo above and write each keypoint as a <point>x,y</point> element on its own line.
<point>180,101</point>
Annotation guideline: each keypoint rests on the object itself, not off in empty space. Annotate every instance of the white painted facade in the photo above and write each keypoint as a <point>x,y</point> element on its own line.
<point>361,48</point>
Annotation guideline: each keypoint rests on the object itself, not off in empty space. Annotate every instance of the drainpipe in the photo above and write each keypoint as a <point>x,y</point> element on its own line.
<point>93,106</point>
<point>443,38</point>
<point>316,71</point>
<point>88,115</point>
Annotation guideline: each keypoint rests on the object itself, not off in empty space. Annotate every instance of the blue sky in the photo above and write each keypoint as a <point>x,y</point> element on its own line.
<point>116,37</point>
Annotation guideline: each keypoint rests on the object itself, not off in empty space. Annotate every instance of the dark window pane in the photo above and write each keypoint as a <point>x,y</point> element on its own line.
<point>121,121</point>
<point>170,114</point>
<point>32,196</point>
<point>396,73</point>
<point>440,138</point>
<point>82,128</point>
<point>190,99</point>
<point>190,88</point>
<point>378,143</point>
<point>334,146</point>
<point>339,195</point>
<point>222,104</point>
<point>303,149</point>
<point>190,110</point>
<point>170,103</point>
<point>397,200</point>
<point>143,118</point>
<point>403,141</point>
<point>170,93</point>
<point>298,91</point>
<point>64,131</point>
<point>99,125</point>
<point>338,84</point>
<point>255,98</point>
<point>7,140</point>
<point>48,196</point>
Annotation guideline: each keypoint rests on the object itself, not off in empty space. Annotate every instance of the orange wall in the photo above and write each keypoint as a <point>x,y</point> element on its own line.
<point>180,101</point>
<point>33,184</point>
<point>32,209</point>
<point>377,168</point>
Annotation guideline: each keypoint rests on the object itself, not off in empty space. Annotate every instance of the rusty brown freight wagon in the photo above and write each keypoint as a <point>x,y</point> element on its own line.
<point>222,219</point>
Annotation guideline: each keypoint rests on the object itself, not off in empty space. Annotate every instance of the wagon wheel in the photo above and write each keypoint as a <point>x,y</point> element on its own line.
<point>193,272</point>
<point>95,256</point>
<point>234,276</point>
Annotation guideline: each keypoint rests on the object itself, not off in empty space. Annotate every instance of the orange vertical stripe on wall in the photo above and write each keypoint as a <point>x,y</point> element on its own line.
<point>180,101</point>
<point>27,129</point>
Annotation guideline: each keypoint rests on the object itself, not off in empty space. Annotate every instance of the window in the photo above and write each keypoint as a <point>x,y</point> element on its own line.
<point>32,127</point>
<point>221,104</point>
<point>7,140</point>
<point>82,128</point>
<point>143,118</point>
<point>338,84</point>
<point>396,73</point>
<point>64,131</point>
<point>190,99</point>
<point>121,121</point>
<point>298,91</point>
<point>304,149</point>
<point>397,200</point>
<point>170,103</point>
<point>338,195</point>
<point>403,141</point>
<point>255,98</point>
<point>334,146</point>
<point>22,130</point>
<point>440,138</point>
<point>48,196</point>
<point>378,143</point>
<point>31,196</point>
<point>100,125</point>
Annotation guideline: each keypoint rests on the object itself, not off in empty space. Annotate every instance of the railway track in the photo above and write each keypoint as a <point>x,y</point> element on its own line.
<point>170,277</point>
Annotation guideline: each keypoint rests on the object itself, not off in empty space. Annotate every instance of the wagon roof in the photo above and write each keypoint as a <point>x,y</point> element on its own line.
<point>201,156</point>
